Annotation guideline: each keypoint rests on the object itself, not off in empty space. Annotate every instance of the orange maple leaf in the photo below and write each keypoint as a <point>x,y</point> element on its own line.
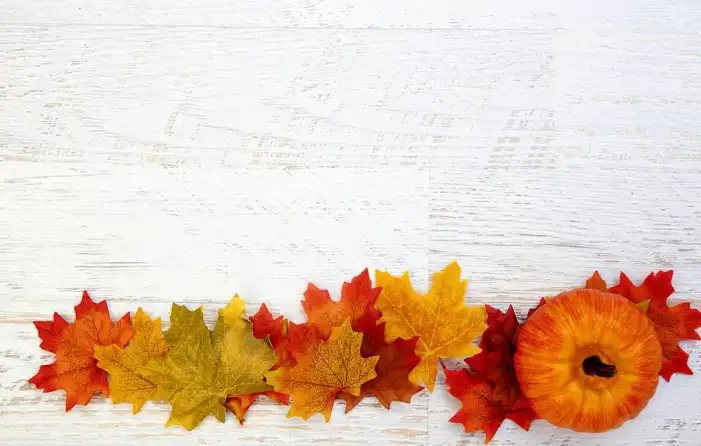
<point>595,282</point>
<point>672,324</point>
<point>357,303</point>
<point>75,370</point>
<point>483,407</point>
<point>397,360</point>
<point>323,369</point>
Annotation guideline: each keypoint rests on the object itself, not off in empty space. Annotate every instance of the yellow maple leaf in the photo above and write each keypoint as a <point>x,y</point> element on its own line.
<point>326,369</point>
<point>126,384</point>
<point>203,368</point>
<point>444,325</point>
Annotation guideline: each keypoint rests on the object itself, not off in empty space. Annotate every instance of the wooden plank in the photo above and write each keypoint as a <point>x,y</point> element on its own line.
<point>325,98</point>
<point>657,16</point>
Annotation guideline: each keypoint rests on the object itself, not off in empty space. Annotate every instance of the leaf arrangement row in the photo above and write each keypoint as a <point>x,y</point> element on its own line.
<point>568,363</point>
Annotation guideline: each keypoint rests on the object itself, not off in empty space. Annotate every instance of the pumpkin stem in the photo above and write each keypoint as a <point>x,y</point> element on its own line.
<point>594,366</point>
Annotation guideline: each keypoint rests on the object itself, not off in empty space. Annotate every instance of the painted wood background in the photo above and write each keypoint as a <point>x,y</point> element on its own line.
<point>182,150</point>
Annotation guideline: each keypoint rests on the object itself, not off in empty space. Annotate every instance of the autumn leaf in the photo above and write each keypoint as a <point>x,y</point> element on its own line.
<point>276,330</point>
<point>202,369</point>
<point>444,325</point>
<point>126,384</point>
<point>265,326</point>
<point>50,335</point>
<point>495,362</point>
<point>239,404</point>
<point>324,369</point>
<point>490,391</point>
<point>657,285</point>
<point>483,408</point>
<point>50,331</point>
<point>287,338</point>
<point>595,282</point>
<point>75,370</point>
<point>501,329</point>
<point>397,360</point>
<point>543,301</point>
<point>45,379</point>
<point>672,324</point>
<point>357,302</point>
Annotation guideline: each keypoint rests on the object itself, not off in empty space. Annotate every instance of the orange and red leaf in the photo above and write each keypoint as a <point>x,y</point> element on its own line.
<point>489,390</point>
<point>50,332</point>
<point>595,282</point>
<point>672,324</point>
<point>265,325</point>
<point>75,370</point>
<point>357,302</point>
<point>397,360</point>
<point>45,379</point>
<point>483,407</point>
<point>656,286</point>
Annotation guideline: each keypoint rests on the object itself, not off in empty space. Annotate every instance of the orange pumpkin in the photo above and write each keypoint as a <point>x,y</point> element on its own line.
<point>588,360</point>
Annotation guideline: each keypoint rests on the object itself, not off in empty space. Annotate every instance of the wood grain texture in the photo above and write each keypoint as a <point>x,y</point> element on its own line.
<point>159,151</point>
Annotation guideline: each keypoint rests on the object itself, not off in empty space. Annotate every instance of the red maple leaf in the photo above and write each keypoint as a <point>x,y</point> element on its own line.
<point>672,324</point>
<point>397,359</point>
<point>498,344</point>
<point>656,286</point>
<point>50,332</point>
<point>489,391</point>
<point>483,408</point>
<point>50,335</point>
<point>287,338</point>
<point>75,370</point>
<point>542,302</point>
<point>501,329</point>
<point>264,325</point>
<point>357,301</point>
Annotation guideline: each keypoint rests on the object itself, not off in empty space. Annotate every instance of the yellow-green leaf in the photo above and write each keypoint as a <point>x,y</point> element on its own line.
<point>203,368</point>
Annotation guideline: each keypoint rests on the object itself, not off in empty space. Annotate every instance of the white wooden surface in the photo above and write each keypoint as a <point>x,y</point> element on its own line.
<point>182,150</point>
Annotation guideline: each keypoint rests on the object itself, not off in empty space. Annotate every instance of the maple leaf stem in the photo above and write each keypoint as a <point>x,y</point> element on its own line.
<point>442,364</point>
